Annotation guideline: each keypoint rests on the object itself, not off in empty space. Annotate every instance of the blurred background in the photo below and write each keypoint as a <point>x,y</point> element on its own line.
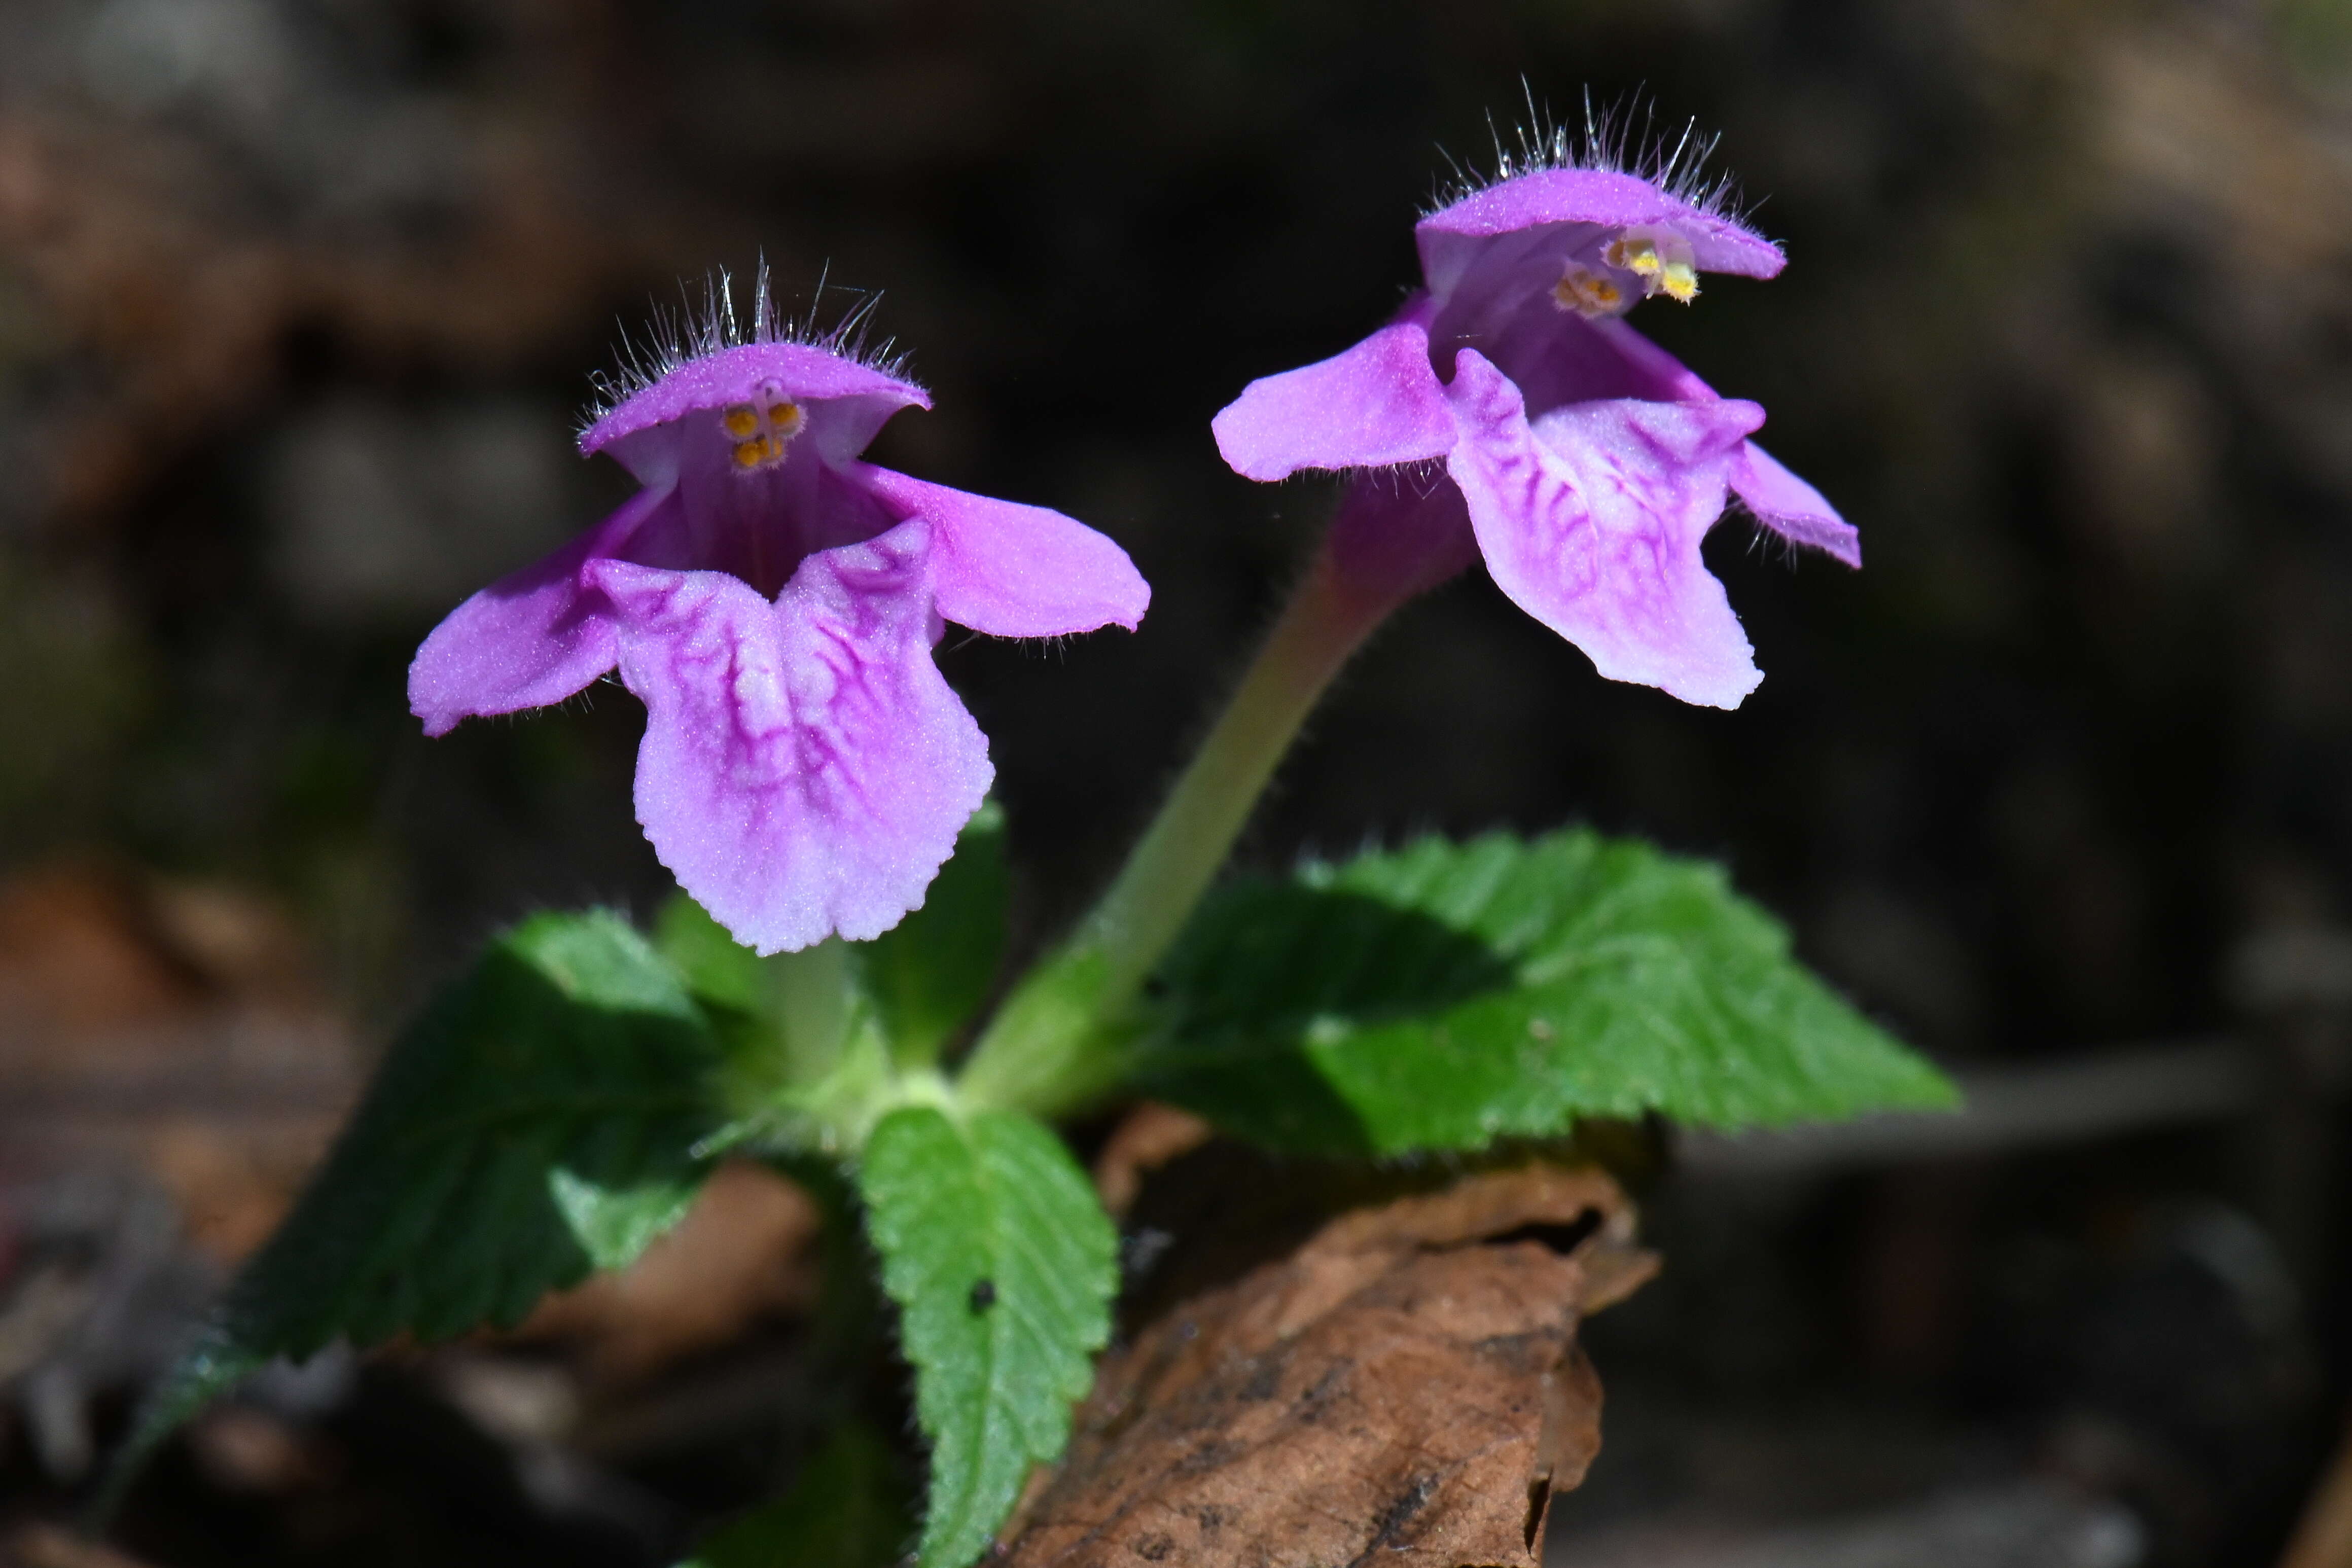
<point>298,301</point>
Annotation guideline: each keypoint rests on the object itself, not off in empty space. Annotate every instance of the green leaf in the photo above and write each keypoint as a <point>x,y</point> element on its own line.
<point>929,974</point>
<point>782,1017</point>
<point>714,965</point>
<point>788,1020</point>
<point>847,1509</point>
<point>536,1121</point>
<point>1002,1264</point>
<point>1445,995</point>
<point>613,1225</point>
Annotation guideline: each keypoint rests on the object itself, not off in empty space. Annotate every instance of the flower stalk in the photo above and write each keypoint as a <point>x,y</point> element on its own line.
<point>1058,1038</point>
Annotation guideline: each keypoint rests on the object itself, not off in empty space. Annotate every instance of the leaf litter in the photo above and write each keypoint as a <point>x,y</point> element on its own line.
<point>1404,1382</point>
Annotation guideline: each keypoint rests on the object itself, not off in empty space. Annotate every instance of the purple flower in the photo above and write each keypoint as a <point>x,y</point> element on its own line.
<point>774,601</point>
<point>1581,460</point>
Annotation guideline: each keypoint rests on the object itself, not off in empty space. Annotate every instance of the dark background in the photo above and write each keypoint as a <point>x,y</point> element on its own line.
<point>299,300</point>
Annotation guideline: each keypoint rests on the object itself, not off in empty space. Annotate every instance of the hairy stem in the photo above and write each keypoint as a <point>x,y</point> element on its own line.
<point>1057,1040</point>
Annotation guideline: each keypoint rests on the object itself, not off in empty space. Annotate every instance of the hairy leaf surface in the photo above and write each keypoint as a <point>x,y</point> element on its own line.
<point>1443,996</point>
<point>536,1121</point>
<point>1003,1265</point>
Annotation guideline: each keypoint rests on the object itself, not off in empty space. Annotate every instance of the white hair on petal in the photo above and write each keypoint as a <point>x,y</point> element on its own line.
<point>1622,138</point>
<point>1423,474</point>
<point>693,331</point>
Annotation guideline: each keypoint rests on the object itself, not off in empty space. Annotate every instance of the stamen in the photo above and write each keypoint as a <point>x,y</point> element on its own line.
<point>1658,260</point>
<point>1587,293</point>
<point>755,448</point>
<point>1634,254</point>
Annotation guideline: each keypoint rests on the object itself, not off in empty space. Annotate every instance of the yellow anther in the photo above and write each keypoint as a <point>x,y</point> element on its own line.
<point>1587,292</point>
<point>1634,255</point>
<point>760,432</point>
<point>1679,281</point>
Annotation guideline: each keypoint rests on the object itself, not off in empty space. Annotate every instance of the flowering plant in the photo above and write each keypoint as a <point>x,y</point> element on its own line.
<point>825,993</point>
<point>774,600</point>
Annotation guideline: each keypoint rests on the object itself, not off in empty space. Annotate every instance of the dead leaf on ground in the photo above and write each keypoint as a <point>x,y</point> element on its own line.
<point>171,1028</point>
<point>55,1546</point>
<point>77,956</point>
<point>1145,1139</point>
<point>744,1252</point>
<point>1405,1384</point>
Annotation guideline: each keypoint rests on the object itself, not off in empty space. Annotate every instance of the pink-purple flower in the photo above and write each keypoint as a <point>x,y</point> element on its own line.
<point>1581,460</point>
<point>774,600</point>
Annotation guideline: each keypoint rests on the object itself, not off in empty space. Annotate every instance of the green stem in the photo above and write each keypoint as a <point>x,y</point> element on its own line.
<point>1180,854</point>
<point>1057,1040</point>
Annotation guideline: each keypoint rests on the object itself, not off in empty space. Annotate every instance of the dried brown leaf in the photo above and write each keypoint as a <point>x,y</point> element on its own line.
<point>173,1028</point>
<point>1145,1139</point>
<point>1407,1381</point>
<point>745,1251</point>
<point>54,1546</point>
